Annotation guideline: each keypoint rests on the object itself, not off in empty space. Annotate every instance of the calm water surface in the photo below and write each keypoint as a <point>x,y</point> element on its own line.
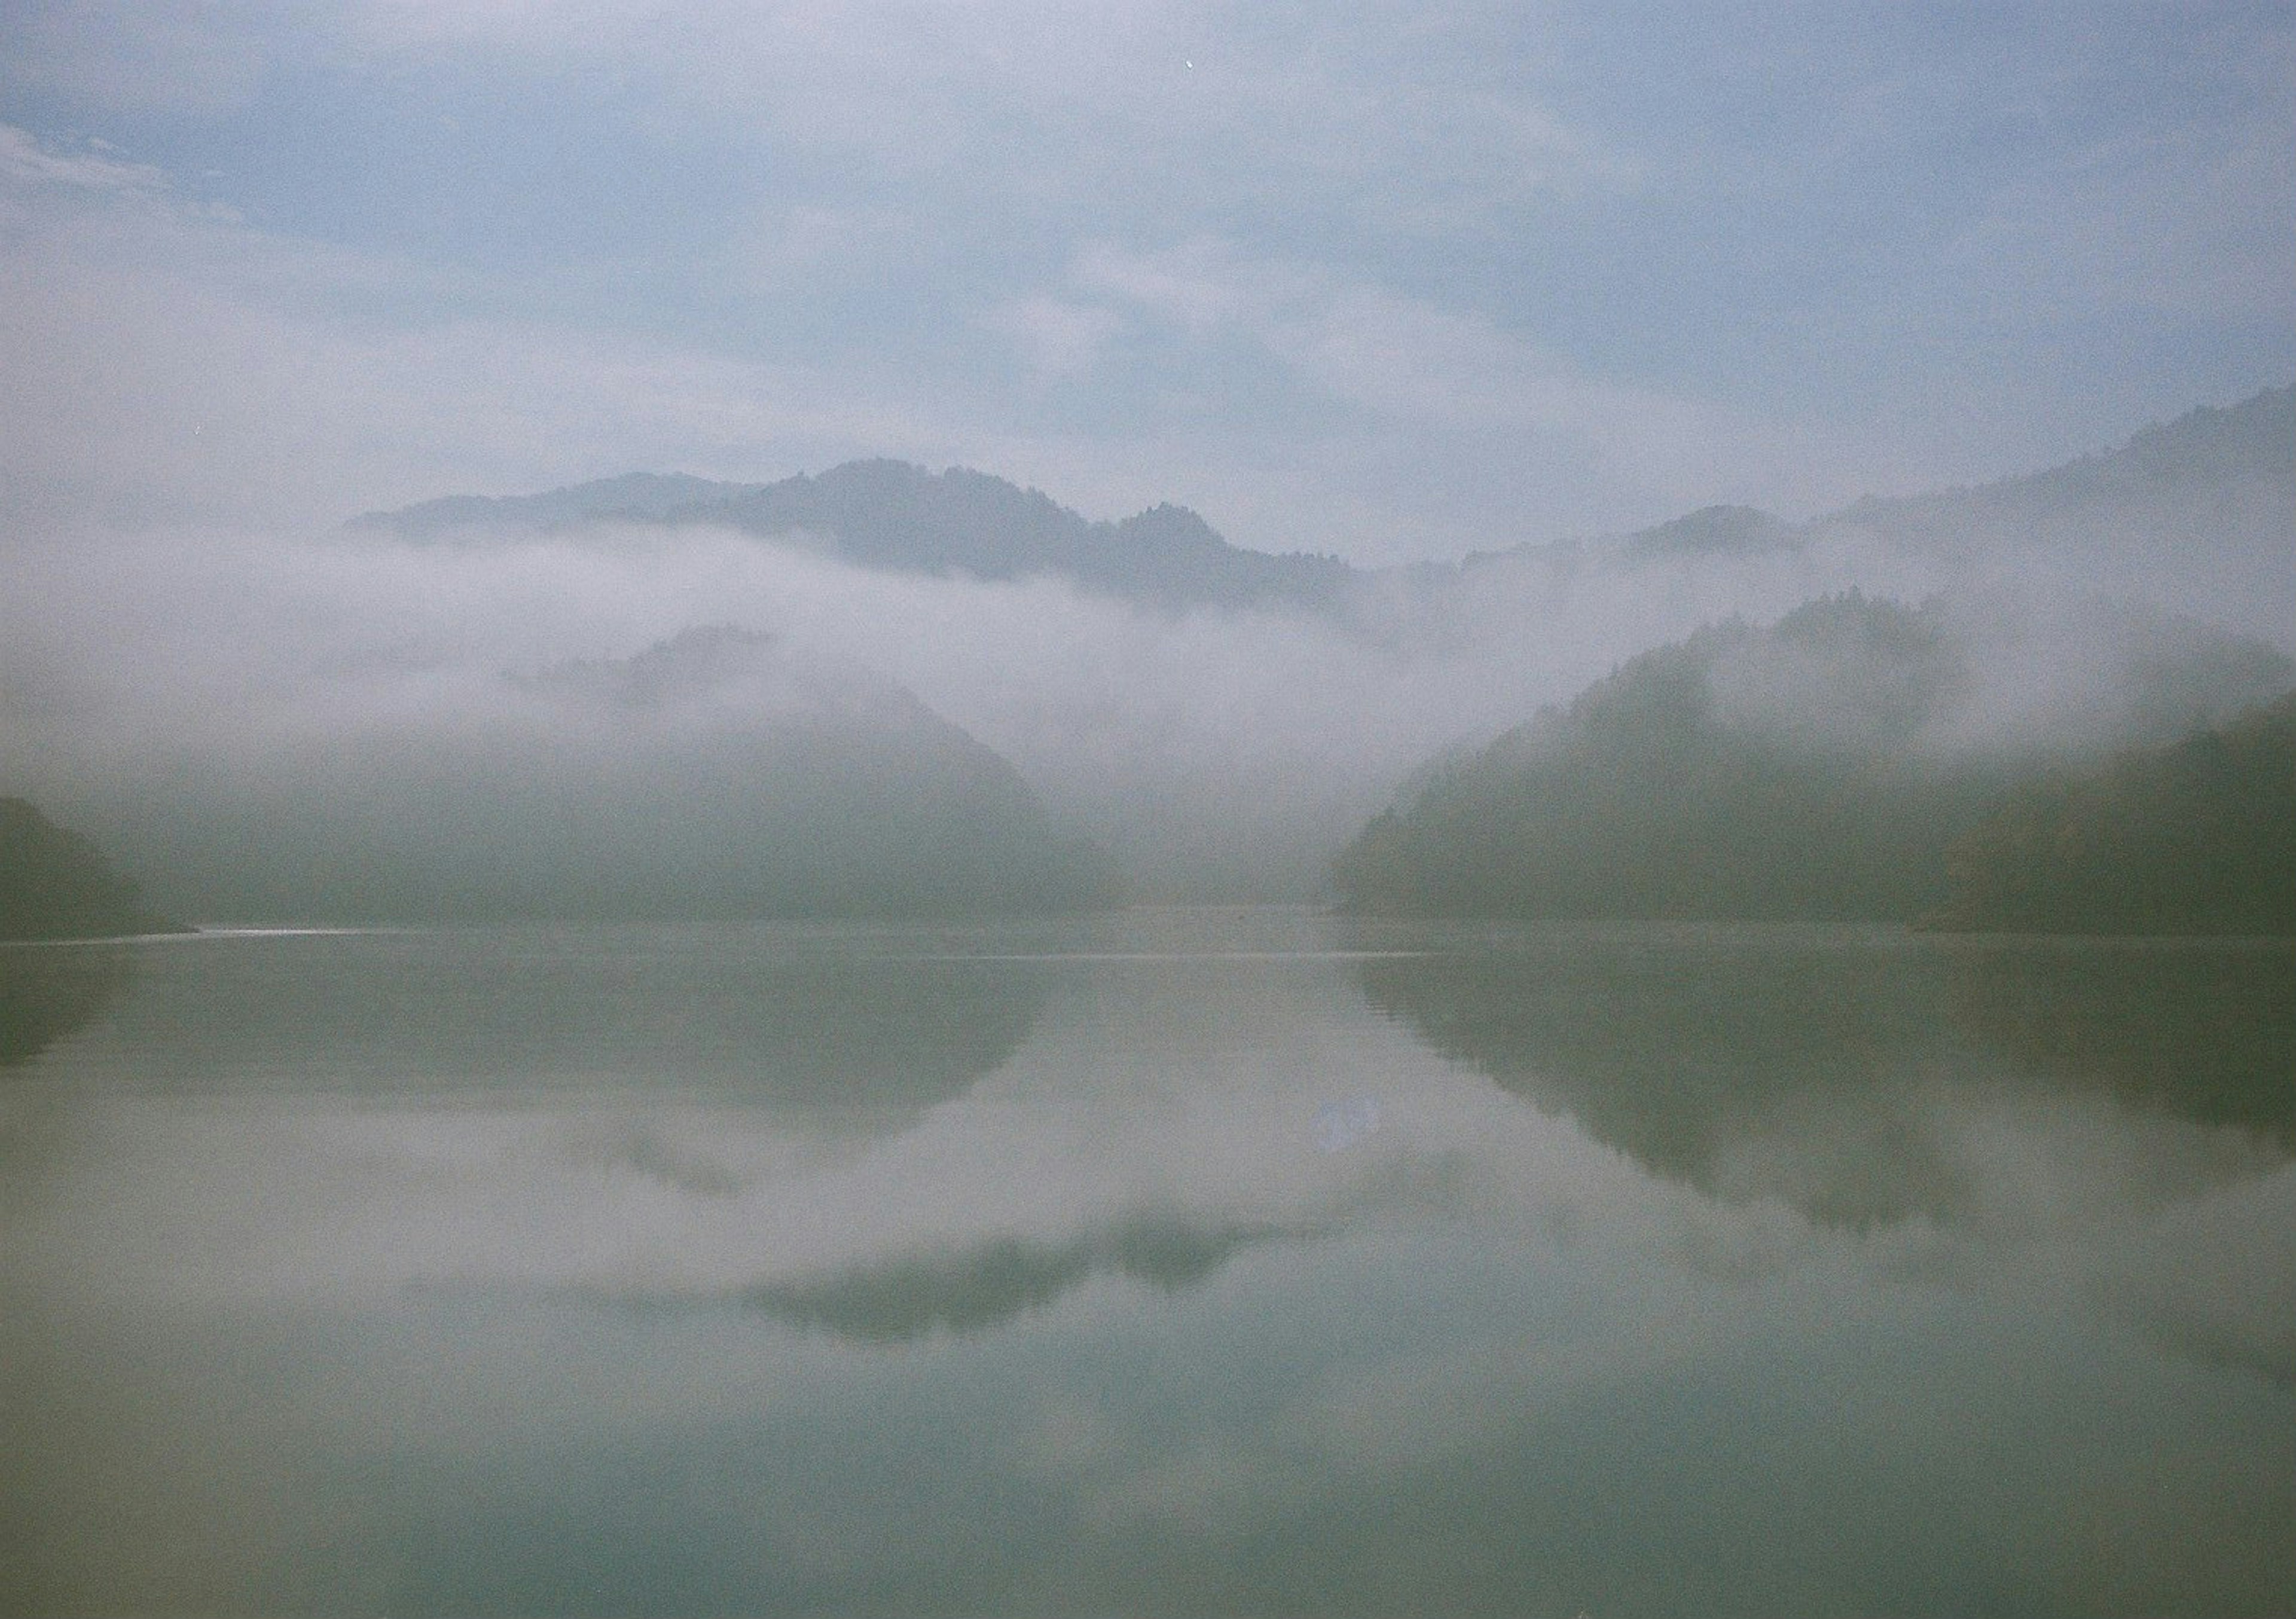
<point>1207,1262</point>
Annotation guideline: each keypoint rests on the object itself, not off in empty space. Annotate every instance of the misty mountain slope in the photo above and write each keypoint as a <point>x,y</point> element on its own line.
<point>2198,837</point>
<point>55,884</point>
<point>890,515</point>
<point>711,775</point>
<point>1711,531</point>
<point>2197,516</point>
<point>2214,476</point>
<point>1227,753</point>
<point>1817,768</point>
<point>633,497</point>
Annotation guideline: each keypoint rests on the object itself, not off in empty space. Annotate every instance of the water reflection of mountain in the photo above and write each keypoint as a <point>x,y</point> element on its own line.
<point>2203,1030</point>
<point>1680,1046</point>
<point>49,991</point>
<point>738,1013</point>
<point>972,1290</point>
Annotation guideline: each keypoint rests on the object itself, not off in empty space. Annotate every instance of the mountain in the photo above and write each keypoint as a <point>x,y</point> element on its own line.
<point>2214,479</point>
<point>2213,476</point>
<point>1819,768</point>
<point>2195,838</point>
<point>1711,531</point>
<point>638,497</point>
<point>894,517</point>
<point>54,885</point>
<point>2195,516</point>
<point>711,775</point>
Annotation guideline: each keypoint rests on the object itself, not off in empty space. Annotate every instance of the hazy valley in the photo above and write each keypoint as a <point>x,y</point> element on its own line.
<point>1206,810</point>
<point>885,690</point>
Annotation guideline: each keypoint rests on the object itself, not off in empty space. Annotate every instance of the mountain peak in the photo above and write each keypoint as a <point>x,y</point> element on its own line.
<point>895,516</point>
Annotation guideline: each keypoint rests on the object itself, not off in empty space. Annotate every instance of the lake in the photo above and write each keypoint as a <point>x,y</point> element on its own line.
<point>1194,1261</point>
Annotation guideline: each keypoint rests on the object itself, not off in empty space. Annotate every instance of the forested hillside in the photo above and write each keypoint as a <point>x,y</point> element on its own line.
<point>2198,838</point>
<point>1816,769</point>
<point>54,884</point>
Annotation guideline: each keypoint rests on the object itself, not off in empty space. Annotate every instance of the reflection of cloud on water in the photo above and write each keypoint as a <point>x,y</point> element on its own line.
<point>715,1147</point>
<point>2211,1278</point>
<point>645,1148</point>
<point>972,1290</point>
<point>1340,1125</point>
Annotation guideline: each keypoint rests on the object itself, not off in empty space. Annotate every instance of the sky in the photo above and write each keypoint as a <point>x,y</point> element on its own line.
<point>1384,281</point>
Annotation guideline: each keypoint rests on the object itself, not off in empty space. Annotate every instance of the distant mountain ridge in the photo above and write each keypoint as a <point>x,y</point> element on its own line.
<point>2232,467</point>
<point>2216,488</point>
<point>890,515</point>
<point>2220,473</point>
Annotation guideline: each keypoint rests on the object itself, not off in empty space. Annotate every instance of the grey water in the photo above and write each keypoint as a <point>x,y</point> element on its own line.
<point>1195,1262</point>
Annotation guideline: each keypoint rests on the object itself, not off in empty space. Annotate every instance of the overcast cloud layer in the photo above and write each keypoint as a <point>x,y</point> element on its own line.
<point>1359,278</point>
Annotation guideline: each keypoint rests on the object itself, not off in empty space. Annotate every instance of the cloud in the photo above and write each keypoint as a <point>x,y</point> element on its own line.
<point>1197,285</point>
<point>2166,222</point>
<point>170,366</point>
<point>1351,281</point>
<point>1391,398</point>
<point>25,161</point>
<point>1059,339</point>
<point>193,368</point>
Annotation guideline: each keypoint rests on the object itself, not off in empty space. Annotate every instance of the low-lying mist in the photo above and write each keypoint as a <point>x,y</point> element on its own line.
<point>204,701</point>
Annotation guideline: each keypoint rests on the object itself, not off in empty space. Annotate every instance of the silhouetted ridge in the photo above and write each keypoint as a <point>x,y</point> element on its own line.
<point>54,885</point>
<point>2213,478</point>
<point>2218,478</point>
<point>1712,531</point>
<point>2196,838</point>
<point>893,516</point>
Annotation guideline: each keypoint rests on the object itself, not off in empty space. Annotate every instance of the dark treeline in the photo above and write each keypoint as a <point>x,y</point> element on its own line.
<point>2199,837</point>
<point>1649,796</point>
<point>54,884</point>
<point>1809,771</point>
